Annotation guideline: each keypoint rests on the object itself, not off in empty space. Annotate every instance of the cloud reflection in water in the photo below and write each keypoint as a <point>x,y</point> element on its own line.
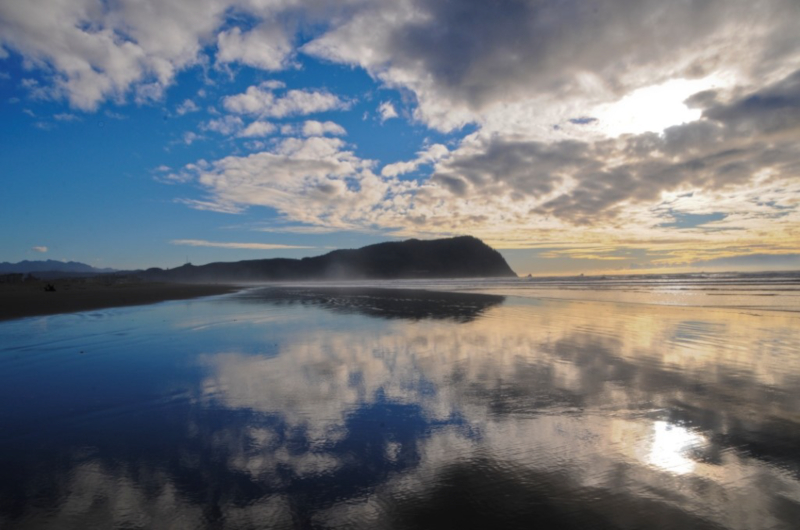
<point>566,414</point>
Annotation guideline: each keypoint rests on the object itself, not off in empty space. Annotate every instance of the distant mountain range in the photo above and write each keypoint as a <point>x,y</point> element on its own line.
<point>458,257</point>
<point>50,265</point>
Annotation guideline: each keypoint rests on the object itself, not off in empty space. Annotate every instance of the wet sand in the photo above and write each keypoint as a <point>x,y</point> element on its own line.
<point>27,299</point>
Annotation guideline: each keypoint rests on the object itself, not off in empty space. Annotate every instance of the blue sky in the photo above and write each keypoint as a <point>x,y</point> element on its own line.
<point>630,137</point>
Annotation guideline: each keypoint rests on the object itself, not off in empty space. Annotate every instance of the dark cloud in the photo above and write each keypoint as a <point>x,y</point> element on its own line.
<point>479,51</point>
<point>594,198</point>
<point>476,52</point>
<point>455,185</point>
<point>771,110</point>
<point>702,100</point>
<point>529,168</point>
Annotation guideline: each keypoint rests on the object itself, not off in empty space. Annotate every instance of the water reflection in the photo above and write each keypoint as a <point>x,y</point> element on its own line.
<point>301,409</point>
<point>411,304</point>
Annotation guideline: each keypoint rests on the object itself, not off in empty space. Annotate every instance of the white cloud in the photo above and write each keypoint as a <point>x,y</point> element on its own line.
<point>268,46</point>
<point>227,125</point>
<point>186,107</point>
<point>65,116</point>
<point>258,129</point>
<point>317,128</point>
<point>218,206</point>
<point>311,181</point>
<point>430,155</point>
<point>98,52</point>
<point>272,84</point>
<point>39,249</point>
<point>189,137</point>
<point>261,101</point>
<point>298,230</point>
<point>217,244</point>
<point>387,111</point>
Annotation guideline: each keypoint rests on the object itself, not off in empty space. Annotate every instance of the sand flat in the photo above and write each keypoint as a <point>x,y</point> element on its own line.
<point>27,299</point>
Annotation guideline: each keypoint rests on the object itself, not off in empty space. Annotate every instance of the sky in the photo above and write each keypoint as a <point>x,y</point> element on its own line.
<point>575,136</point>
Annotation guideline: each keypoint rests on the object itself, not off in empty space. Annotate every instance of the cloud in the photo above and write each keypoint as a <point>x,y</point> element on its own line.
<point>588,115</point>
<point>219,206</point>
<point>459,60</point>
<point>257,129</point>
<point>261,101</point>
<point>65,116</point>
<point>512,190</point>
<point>465,59</point>
<point>387,111</point>
<point>90,53</point>
<point>268,46</point>
<point>189,137</point>
<point>735,149</point>
<point>430,155</point>
<point>39,249</point>
<point>227,125</point>
<point>312,181</point>
<point>186,107</point>
<point>774,109</point>
<point>317,128</point>
<point>298,230</point>
<point>217,244</point>
<point>272,84</point>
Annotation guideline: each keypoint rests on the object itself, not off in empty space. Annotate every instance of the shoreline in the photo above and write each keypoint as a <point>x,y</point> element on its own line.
<point>72,295</point>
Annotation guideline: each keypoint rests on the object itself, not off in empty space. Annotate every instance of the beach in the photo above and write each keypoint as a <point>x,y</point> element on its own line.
<point>29,298</point>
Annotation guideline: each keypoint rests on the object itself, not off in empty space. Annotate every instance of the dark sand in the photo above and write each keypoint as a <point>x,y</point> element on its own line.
<point>25,299</point>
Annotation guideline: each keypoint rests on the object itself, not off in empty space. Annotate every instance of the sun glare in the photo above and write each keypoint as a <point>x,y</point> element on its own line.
<point>652,109</point>
<point>670,443</point>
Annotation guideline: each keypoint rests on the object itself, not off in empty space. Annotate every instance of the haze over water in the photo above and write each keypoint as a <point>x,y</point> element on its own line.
<point>317,407</point>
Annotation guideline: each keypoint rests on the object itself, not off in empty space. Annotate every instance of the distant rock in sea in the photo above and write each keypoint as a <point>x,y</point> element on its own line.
<point>457,257</point>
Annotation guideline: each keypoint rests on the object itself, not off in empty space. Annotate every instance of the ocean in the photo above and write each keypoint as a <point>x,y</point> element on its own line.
<point>659,402</point>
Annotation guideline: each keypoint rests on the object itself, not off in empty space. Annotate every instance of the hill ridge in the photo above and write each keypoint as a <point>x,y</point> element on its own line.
<point>49,265</point>
<point>456,257</point>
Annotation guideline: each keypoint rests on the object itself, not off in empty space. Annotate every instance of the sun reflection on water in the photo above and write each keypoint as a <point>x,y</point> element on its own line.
<point>670,444</point>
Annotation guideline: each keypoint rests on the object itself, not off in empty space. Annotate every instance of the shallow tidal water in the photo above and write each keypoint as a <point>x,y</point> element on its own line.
<point>310,407</point>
